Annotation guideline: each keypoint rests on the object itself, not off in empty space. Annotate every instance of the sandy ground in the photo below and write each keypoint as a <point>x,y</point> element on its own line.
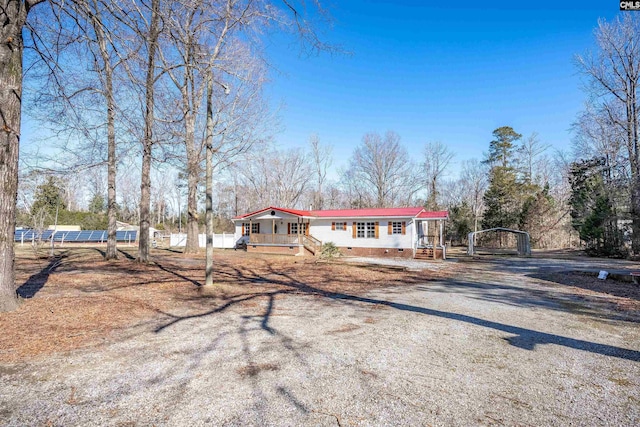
<point>481,343</point>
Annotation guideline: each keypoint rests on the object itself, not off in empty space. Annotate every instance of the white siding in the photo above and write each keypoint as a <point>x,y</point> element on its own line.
<point>321,229</point>
<point>266,221</point>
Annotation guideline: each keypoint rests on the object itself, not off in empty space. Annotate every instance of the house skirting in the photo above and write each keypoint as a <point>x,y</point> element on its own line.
<point>273,249</point>
<point>377,252</point>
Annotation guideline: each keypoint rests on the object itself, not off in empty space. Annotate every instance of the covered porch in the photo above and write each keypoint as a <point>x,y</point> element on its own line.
<point>279,232</point>
<point>429,242</point>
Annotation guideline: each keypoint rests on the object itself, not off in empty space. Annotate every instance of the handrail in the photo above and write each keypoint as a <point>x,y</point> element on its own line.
<point>276,239</point>
<point>311,243</point>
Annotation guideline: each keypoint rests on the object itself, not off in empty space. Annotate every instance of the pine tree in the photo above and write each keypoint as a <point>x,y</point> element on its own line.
<point>502,148</point>
<point>49,197</point>
<point>502,199</point>
<point>592,210</point>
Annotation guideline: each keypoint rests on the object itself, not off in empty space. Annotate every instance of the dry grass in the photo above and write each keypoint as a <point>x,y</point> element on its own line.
<point>620,295</point>
<point>80,300</point>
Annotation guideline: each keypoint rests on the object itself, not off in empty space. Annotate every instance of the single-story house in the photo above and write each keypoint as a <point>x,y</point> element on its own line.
<point>384,232</point>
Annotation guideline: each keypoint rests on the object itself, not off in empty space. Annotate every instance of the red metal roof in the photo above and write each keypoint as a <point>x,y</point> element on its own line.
<point>271,208</point>
<point>434,214</point>
<point>412,212</point>
<point>366,213</point>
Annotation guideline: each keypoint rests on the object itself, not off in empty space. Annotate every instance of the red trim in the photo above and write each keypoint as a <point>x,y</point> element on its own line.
<point>271,208</point>
<point>412,212</point>
<point>434,214</point>
<point>367,213</point>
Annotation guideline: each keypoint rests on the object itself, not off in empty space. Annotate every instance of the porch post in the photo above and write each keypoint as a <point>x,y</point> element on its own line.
<point>425,230</point>
<point>273,230</point>
<point>300,245</point>
<point>435,245</point>
<point>442,241</point>
<point>250,228</point>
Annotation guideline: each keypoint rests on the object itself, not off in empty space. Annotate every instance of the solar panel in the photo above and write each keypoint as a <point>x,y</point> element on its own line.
<point>84,236</point>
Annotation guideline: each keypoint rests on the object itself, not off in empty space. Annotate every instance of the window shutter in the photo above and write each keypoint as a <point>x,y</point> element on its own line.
<point>306,231</point>
<point>404,227</point>
<point>243,228</point>
<point>353,230</point>
<point>288,228</point>
<point>377,229</point>
<point>390,228</point>
<point>258,228</point>
<point>333,226</point>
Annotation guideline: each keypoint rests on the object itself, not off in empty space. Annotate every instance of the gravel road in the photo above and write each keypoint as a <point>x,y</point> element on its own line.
<point>481,349</point>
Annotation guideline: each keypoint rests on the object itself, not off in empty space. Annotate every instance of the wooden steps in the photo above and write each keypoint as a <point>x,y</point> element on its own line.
<point>424,253</point>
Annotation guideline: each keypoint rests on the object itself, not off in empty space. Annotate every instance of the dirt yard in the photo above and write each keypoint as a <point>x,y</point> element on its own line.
<point>288,341</point>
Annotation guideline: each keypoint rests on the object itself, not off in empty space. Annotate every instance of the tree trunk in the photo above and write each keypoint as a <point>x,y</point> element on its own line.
<point>111,252</point>
<point>209,185</point>
<point>145,185</point>
<point>13,14</point>
<point>634,160</point>
<point>193,172</point>
<point>112,206</point>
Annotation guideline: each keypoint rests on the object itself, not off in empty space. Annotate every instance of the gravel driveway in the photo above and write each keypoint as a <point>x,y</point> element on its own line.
<point>492,348</point>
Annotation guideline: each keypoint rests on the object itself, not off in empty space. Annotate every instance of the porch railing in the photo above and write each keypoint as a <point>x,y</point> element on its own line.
<point>275,239</point>
<point>312,244</point>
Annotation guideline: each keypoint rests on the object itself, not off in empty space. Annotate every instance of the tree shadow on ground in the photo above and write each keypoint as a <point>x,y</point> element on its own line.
<point>522,295</point>
<point>181,276</point>
<point>100,251</point>
<point>172,250</point>
<point>590,282</point>
<point>36,281</point>
<point>523,338</point>
<point>127,255</point>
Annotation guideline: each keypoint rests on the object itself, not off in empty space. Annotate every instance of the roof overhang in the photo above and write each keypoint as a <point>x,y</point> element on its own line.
<point>344,214</point>
<point>273,213</point>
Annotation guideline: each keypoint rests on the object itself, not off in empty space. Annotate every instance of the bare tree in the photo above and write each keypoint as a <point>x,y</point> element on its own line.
<point>436,160</point>
<point>322,161</point>
<point>129,194</point>
<point>474,177</point>
<point>13,15</point>
<point>93,11</point>
<point>529,157</point>
<point>276,178</point>
<point>144,21</point>
<point>613,75</point>
<point>380,173</point>
<point>78,99</point>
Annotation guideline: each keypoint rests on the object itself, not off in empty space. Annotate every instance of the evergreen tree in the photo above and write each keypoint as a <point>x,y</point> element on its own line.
<point>592,210</point>
<point>502,199</point>
<point>49,197</point>
<point>539,216</point>
<point>97,204</point>
<point>502,148</point>
<point>461,222</point>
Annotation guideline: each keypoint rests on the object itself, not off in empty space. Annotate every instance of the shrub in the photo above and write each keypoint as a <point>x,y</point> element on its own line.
<point>329,250</point>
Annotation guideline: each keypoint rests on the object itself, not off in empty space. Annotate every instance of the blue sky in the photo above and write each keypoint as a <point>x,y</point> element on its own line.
<point>439,71</point>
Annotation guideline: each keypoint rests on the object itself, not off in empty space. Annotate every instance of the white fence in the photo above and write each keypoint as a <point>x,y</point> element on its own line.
<point>223,241</point>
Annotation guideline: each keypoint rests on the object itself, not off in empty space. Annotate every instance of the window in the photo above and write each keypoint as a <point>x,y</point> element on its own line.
<point>397,227</point>
<point>294,228</point>
<point>366,230</point>
<point>255,228</point>
<point>339,226</point>
<point>371,230</point>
